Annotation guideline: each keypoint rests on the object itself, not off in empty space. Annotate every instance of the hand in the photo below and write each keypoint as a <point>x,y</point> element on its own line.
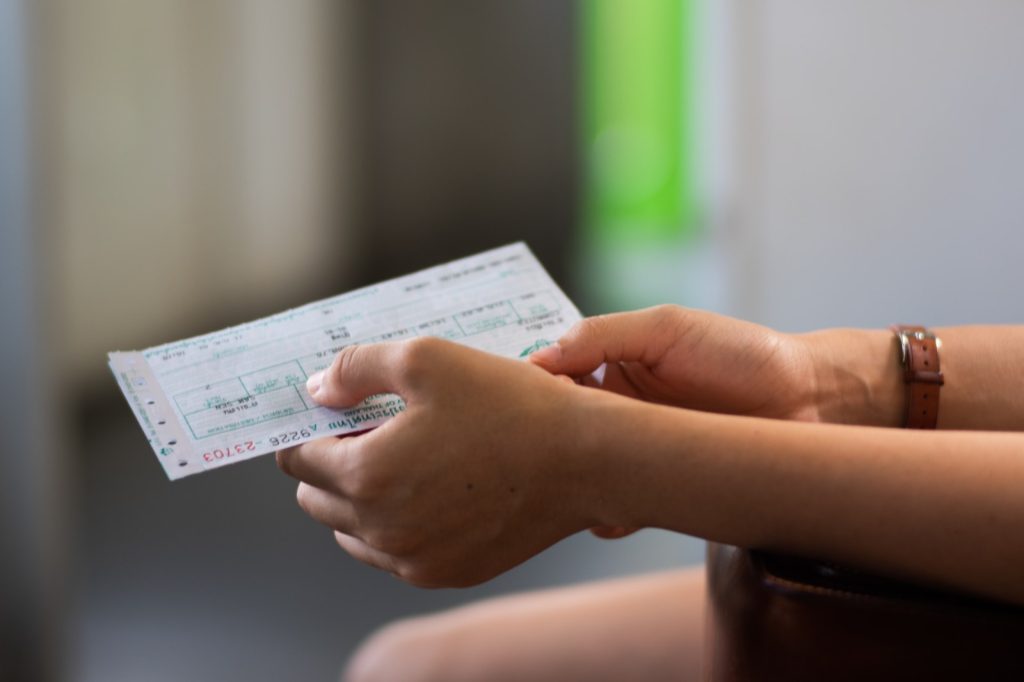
<point>478,474</point>
<point>692,359</point>
<point>688,358</point>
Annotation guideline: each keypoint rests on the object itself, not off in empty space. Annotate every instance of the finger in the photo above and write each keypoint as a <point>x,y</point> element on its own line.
<point>616,377</point>
<point>329,508</point>
<point>318,462</point>
<point>640,336</point>
<point>612,532</point>
<point>359,372</point>
<point>368,555</point>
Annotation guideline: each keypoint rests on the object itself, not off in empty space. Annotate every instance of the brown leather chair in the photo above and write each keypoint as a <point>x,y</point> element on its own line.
<point>773,617</point>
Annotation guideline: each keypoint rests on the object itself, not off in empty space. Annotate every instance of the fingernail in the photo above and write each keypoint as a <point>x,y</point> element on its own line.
<point>549,355</point>
<point>313,383</point>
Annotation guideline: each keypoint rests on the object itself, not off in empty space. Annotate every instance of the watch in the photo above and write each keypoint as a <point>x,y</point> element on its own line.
<point>919,356</point>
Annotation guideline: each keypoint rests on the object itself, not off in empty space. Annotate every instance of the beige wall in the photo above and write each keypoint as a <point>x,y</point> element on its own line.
<point>194,164</point>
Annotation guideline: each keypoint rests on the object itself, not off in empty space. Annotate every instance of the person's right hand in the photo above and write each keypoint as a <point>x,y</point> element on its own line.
<point>692,359</point>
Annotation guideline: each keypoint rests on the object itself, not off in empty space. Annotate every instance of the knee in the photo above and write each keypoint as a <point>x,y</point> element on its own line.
<point>410,650</point>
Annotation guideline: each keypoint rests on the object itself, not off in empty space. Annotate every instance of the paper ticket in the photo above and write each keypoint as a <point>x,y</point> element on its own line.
<point>239,393</point>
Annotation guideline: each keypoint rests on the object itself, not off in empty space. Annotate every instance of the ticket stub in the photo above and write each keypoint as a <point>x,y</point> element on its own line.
<point>238,393</point>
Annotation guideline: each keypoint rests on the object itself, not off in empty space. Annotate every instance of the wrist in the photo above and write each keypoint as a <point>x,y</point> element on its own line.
<point>633,459</point>
<point>604,467</point>
<point>858,378</point>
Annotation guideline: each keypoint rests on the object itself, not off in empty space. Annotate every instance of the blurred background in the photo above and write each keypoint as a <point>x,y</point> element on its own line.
<point>168,168</point>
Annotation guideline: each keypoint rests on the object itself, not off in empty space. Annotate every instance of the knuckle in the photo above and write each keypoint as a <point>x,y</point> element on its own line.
<point>304,497</point>
<point>666,310</point>
<point>362,483</point>
<point>583,330</point>
<point>602,325</point>
<point>667,317</point>
<point>281,457</point>
<point>332,466</point>
<point>671,320</point>
<point>419,575</point>
<point>418,357</point>
<point>342,362</point>
<point>590,326</point>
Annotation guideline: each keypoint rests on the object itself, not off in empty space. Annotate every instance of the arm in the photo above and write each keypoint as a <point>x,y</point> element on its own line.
<point>937,507</point>
<point>703,361</point>
<point>859,380</point>
<point>495,460</point>
<point>944,508</point>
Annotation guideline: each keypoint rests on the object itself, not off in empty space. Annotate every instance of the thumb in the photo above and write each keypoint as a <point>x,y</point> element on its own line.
<point>357,373</point>
<point>641,336</point>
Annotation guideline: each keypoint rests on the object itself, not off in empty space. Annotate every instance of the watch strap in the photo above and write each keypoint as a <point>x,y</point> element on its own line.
<point>919,353</point>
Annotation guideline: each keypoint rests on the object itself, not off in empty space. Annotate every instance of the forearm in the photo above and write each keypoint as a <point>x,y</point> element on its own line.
<point>858,377</point>
<point>944,508</point>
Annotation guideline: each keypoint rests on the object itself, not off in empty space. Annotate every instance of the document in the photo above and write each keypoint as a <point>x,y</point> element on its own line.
<point>239,393</point>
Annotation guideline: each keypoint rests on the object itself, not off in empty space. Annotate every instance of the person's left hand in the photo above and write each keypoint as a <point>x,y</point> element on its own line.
<point>478,474</point>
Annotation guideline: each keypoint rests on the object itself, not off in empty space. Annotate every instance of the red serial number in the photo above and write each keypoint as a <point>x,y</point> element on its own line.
<point>230,451</point>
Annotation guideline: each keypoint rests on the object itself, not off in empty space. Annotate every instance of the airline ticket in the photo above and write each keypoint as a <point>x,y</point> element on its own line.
<point>239,393</point>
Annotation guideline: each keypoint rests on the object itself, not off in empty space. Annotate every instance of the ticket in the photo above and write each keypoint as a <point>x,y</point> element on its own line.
<point>239,393</point>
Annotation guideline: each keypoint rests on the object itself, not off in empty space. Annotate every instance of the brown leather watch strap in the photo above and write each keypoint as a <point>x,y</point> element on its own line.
<point>919,353</point>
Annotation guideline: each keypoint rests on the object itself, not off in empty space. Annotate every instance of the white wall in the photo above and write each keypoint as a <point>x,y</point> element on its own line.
<point>880,162</point>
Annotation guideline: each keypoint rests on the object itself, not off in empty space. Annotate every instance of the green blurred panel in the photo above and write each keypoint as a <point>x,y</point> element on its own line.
<point>637,121</point>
